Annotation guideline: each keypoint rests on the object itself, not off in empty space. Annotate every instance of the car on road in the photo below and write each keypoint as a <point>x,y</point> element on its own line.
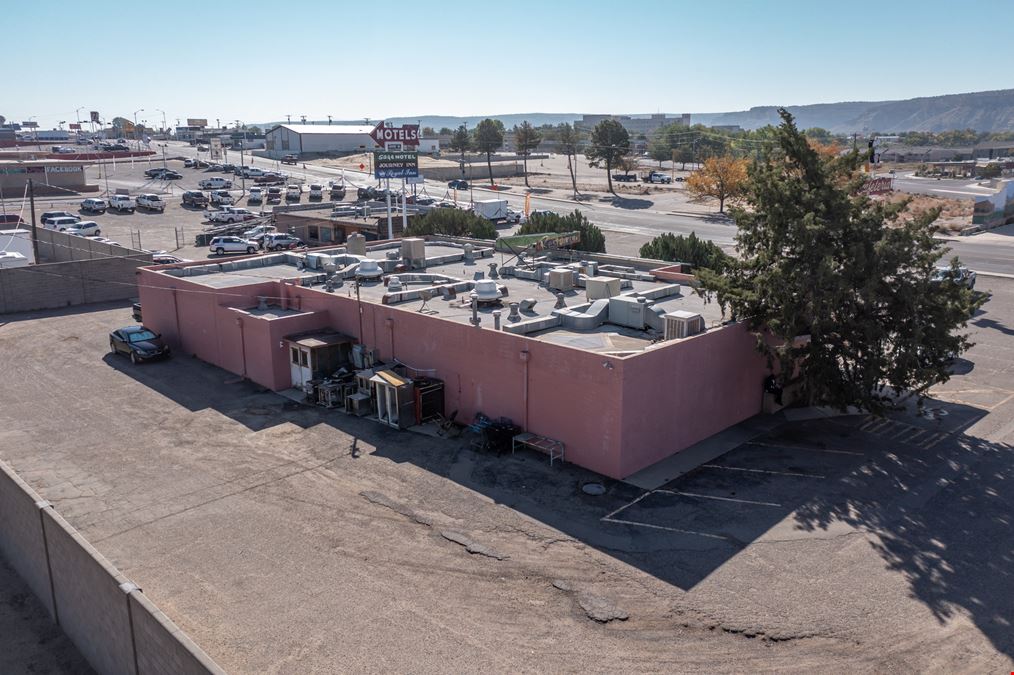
<point>256,196</point>
<point>290,159</point>
<point>223,245</point>
<point>85,228</point>
<point>458,184</point>
<point>514,217</point>
<point>202,148</point>
<point>231,214</point>
<point>274,195</point>
<point>281,241</point>
<point>49,215</point>
<point>215,183</point>
<point>195,198</point>
<point>151,202</point>
<point>94,205</point>
<point>222,198</point>
<point>963,276</point>
<point>539,213</point>
<point>139,343</point>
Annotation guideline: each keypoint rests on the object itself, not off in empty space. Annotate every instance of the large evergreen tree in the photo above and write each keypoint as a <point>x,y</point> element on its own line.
<point>609,143</point>
<point>836,287</point>
<point>488,139</point>
<point>526,138</point>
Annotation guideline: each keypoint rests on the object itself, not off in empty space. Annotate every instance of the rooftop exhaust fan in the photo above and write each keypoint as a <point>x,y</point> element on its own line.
<point>486,291</point>
<point>369,269</point>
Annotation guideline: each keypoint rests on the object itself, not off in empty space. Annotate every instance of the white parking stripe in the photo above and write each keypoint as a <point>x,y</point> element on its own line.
<point>722,499</point>
<point>939,437</point>
<point>776,473</point>
<point>627,506</point>
<point>667,529</point>
<point>806,448</point>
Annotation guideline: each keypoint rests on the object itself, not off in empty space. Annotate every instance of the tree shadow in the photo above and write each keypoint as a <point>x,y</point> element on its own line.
<point>627,202</point>
<point>993,324</point>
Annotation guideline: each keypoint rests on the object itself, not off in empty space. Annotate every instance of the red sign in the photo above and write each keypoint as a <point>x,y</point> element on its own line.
<point>406,135</point>
<point>877,186</point>
<point>75,125</point>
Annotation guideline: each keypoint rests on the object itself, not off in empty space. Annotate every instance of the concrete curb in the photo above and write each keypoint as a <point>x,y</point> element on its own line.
<point>1000,275</point>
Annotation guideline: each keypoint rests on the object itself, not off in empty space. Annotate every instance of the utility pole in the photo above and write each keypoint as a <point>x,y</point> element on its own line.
<point>35,238</point>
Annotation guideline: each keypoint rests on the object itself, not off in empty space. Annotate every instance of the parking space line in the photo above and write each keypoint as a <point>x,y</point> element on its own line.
<point>917,434</point>
<point>627,506</point>
<point>667,529</point>
<point>868,423</point>
<point>806,448</point>
<point>936,439</point>
<point>775,473</point>
<point>723,499</point>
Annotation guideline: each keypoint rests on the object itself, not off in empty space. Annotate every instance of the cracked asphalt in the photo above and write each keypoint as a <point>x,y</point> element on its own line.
<point>842,543</point>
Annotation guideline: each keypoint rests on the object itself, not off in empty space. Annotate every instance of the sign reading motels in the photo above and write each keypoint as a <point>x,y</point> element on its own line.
<point>94,115</point>
<point>407,135</point>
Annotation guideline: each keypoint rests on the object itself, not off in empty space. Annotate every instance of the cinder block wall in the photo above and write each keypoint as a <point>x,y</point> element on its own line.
<point>114,626</point>
<point>52,285</point>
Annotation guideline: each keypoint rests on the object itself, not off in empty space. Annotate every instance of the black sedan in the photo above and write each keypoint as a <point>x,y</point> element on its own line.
<point>458,184</point>
<point>139,343</point>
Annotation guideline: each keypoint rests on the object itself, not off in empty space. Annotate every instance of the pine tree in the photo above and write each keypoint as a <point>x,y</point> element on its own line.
<point>835,287</point>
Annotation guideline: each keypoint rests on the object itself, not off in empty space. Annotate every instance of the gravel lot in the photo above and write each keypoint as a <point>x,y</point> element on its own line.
<point>286,538</point>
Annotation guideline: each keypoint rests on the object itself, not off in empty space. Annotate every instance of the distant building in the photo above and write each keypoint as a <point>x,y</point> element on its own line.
<point>298,139</point>
<point>635,125</point>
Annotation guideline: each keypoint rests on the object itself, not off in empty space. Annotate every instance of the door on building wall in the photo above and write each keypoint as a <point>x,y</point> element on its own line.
<point>300,365</point>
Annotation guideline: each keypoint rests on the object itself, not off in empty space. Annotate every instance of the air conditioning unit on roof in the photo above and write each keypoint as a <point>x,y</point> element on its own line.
<point>681,324</point>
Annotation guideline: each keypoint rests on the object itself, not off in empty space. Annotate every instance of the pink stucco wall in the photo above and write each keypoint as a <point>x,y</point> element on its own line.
<point>683,392</point>
<point>615,415</point>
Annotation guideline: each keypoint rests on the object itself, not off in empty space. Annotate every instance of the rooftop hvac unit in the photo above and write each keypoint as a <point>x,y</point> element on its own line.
<point>561,279</point>
<point>627,310</point>
<point>486,290</point>
<point>681,324</point>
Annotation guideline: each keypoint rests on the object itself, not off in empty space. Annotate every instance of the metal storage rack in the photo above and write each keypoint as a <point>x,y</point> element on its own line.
<point>550,446</point>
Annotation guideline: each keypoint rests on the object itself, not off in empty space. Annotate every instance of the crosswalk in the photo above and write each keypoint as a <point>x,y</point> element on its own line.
<point>901,432</point>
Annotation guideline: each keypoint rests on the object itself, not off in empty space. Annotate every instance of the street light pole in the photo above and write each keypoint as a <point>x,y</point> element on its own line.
<point>136,138</point>
<point>163,121</point>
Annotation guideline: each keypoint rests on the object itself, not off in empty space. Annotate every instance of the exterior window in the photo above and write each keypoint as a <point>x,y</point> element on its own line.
<point>295,355</point>
<point>314,232</point>
<point>285,143</point>
<point>302,359</point>
<point>325,234</point>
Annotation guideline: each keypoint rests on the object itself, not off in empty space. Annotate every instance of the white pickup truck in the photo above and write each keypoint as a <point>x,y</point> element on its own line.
<point>231,214</point>
<point>122,203</point>
<point>215,183</point>
<point>150,201</point>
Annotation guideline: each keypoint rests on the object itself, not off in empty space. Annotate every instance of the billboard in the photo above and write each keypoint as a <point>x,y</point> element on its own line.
<point>94,115</point>
<point>75,125</point>
<point>196,122</point>
<point>216,148</point>
<point>30,125</point>
<point>395,164</point>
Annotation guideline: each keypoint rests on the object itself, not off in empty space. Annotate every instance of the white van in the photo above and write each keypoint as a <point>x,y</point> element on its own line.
<point>61,223</point>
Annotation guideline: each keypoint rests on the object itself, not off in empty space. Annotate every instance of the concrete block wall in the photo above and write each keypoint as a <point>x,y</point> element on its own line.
<point>110,621</point>
<point>63,284</point>
<point>62,247</point>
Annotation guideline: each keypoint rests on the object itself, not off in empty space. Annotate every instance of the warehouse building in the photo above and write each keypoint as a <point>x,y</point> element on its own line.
<point>611,366</point>
<point>314,139</point>
<point>50,176</point>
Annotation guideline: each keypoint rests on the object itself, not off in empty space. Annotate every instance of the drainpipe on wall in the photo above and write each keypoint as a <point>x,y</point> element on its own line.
<point>242,343</point>
<point>390,325</point>
<point>525,356</point>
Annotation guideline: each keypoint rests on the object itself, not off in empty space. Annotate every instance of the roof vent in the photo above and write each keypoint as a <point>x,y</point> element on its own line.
<point>486,290</point>
<point>369,269</point>
<point>681,324</point>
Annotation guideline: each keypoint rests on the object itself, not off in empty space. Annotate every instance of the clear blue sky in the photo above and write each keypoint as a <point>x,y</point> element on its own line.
<point>258,61</point>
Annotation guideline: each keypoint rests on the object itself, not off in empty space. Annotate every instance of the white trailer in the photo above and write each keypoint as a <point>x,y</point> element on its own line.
<point>491,209</point>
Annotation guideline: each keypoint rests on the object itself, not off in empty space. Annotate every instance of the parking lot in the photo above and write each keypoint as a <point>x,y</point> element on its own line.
<point>278,534</point>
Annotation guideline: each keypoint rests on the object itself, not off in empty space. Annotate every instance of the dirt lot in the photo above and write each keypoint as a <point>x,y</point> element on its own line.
<point>286,538</point>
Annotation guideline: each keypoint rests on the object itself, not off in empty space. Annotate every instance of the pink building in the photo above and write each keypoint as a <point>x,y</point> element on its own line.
<point>633,369</point>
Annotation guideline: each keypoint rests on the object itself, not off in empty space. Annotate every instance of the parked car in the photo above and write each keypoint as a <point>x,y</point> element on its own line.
<point>222,198</point>
<point>154,173</point>
<point>337,193</point>
<point>290,159</point>
<point>195,198</point>
<point>61,223</point>
<point>274,195</point>
<point>230,168</point>
<point>104,240</point>
<point>281,241</point>
<point>215,183</point>
<point>202,148</point>
<point>94,205</point>
<point>11,219</point>
<point>260,230</point>
<point>256,196</point>
<point>167,259</point>
<point>85,228</point>
<point>316,191</point>
<point>135,311</point>
<point>49,215</point>
<point>216,167</point>
<point>624,178</point>
<point>251,172</point>
<point>293,193</point>
<point>152,202</point>
<point>231,214</point>
<point>190,163</point>
<point>271,178</point>
<point>963,276</point>
<point>458,184</point>
<point>657,177</point>
<point>223,245</point>
<point>122,203</point>
<point>139,343</point>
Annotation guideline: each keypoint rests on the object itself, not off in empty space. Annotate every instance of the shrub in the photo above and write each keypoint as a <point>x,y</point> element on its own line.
<point>452,223</point>
<point>679,248</point>
<point>592,239</point>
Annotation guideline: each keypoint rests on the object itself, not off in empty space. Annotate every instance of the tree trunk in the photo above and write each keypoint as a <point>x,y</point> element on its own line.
<point>573,178</point>
<point>721,203</point>
<point>524,161</point>
<point>489,165</point>
<point>609,176</point>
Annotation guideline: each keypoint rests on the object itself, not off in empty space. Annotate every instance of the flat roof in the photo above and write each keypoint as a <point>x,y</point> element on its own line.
<point>445,259</point>
<point>326,128</point>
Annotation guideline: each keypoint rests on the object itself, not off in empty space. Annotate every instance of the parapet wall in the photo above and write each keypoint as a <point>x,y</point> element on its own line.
<point>110,621</point>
